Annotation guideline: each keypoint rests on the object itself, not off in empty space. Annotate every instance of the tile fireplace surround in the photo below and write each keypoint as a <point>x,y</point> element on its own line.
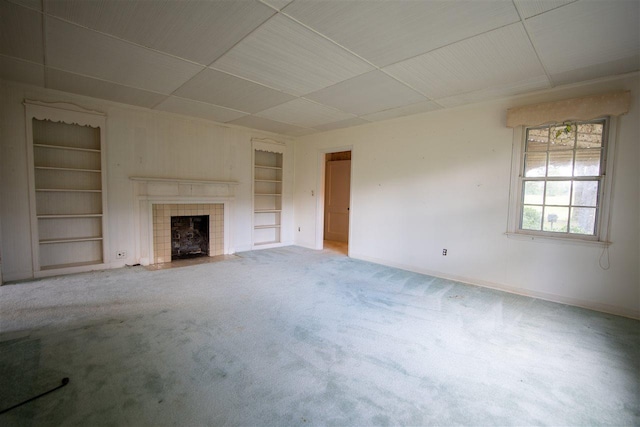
<point>162,214</point>
<point>158,199</point>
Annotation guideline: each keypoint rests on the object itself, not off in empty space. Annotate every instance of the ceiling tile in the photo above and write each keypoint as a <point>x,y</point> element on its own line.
<point>216,87</point>
<point>301,112</point>
<point>529,8</point>
<point>33,4</point>
<point>385,32</point>
<point>356,121</point>
<point>586,33</point>
<point>21,32</point>
<point>420,107</point>
<point>188,107</point>
<point>267,125</point>
<point>21,71</point>
<point>285,55</point>
<point>86,52</point>
<point>74,83</point>
<point>278,4</point>
<point>611,68</point>
<point>368,93</point>
<point>200,31</point>
<point>301,132</point>
<point>497,57</point>
<point>501,91</point>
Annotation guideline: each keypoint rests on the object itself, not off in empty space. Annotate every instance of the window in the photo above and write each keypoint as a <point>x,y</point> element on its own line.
<point>561,186</point>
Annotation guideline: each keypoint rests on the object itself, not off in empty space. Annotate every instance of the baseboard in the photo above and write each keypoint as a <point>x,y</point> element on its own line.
<point>73,270</point>
<point>8,278</point>
<point>576,302</point>
<point>308,245</point>
<point>269,246</point>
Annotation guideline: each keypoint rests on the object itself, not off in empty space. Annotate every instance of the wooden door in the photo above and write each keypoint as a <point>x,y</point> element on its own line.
<point>337,195</point>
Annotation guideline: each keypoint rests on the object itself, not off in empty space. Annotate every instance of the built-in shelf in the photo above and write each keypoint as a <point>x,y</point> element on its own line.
<point>267,191</point>
<point>70,240</point>
<point>65,147</point>
<point>66,186</point>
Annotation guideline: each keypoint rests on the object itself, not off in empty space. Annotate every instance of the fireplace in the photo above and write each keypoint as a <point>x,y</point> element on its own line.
<point>158,199</point>
<point>189,236</point>
<point>187,230</point>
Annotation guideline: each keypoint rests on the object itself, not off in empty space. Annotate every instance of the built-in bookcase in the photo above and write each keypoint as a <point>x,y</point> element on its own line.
<point>66,149</point>
<point>267,193</point>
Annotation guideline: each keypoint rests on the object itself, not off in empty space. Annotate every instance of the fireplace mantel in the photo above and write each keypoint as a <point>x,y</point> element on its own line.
<point>181,180</point>
<point>180,187</point>
<point>149,191</point>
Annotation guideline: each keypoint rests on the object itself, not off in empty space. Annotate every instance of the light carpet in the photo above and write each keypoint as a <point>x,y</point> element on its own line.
<point>291,336</point>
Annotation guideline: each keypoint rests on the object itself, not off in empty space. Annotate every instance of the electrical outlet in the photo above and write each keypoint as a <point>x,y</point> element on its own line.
<point>121,254</point>
<point>444,252</point>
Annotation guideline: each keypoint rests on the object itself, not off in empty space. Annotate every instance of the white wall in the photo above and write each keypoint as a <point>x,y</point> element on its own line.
<point>419,184</point>
<point>139,142</point>
<point>441,180</point>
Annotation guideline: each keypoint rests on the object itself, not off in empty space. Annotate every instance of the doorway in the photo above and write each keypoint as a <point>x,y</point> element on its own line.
<point>337,200</point>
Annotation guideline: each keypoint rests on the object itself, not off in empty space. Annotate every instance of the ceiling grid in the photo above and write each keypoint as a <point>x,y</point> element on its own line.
<point>300,67</point>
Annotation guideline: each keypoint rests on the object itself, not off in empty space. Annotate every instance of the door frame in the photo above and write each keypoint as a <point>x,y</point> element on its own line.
<point>321,170</point>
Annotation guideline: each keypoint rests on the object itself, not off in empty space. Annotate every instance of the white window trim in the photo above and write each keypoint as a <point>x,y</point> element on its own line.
<point>515,194</point>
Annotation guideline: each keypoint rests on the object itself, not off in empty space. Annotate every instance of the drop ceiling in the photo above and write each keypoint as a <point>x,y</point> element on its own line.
<point>305,66</point>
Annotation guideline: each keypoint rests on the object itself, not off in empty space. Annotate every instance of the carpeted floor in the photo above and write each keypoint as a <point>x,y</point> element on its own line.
<point>291,336</point>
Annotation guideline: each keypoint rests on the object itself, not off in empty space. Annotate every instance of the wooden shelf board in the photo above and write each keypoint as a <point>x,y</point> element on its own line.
<point>262,227</point>
<point>52,168</point>
<point>268,167</point>
<point>73,264</point>
<point>52,216</point>
<point>70,240</point>
<point>62,147</point>
<point>271,242</point>
<point>261,194</point>
<point>67,190</point>
<point>268,180</point>
<point>267,210</point>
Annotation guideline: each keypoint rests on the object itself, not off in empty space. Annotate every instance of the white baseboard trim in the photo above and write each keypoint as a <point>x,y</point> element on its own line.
<point>307,245</point>
<point>73,270</point>
<point>576,302</point>
<point>269,246</point>
<point>7,278</point>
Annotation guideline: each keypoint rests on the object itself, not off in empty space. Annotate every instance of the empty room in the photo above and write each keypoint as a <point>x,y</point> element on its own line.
<point>319,212</point>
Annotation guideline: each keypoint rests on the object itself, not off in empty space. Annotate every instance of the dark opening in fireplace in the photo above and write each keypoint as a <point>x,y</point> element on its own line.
<point>189,236</point>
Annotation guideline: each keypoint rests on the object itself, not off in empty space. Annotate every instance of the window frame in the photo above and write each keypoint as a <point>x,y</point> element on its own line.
<point>516,196</point>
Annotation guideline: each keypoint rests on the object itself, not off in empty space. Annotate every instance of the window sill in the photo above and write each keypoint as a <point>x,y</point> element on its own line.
<point>565,240</point>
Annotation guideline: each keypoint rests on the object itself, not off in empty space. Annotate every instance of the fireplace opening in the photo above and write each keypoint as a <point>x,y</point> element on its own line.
<point>189,236</point>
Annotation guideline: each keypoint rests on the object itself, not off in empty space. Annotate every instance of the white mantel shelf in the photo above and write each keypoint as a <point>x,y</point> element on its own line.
<point>181,188</point>
<point>181,180</point>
